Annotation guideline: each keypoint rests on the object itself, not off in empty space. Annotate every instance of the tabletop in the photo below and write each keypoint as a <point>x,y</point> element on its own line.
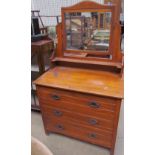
<point>41,42</point>
<point>83,80</point>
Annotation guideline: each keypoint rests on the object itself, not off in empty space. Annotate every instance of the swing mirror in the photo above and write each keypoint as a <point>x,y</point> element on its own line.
<point>88,31</point>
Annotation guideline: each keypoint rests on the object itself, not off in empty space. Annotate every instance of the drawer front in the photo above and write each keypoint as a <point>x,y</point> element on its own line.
<point>61,114</point>
<point>79,132</point>
<point>78,102</point>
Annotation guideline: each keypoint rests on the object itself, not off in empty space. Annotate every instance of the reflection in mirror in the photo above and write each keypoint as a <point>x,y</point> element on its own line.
<point>88,31</point>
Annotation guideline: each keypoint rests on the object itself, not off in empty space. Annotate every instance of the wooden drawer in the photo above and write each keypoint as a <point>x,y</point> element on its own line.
<point>78,102</point>
<point>78,118</point>
<point>78,131</point>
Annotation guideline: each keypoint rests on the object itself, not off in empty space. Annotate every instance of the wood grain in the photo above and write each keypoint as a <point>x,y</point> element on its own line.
<point>78,131</point>
<point>78,118</point>
<point>82,80</point>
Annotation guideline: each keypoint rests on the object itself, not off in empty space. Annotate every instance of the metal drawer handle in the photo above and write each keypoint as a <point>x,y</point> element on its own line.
<point>57,113</point>
<point>92,135</point>
<point>93,121</point>
<point>59,126</point>
<point>55,97</point>
<point>94,104</point>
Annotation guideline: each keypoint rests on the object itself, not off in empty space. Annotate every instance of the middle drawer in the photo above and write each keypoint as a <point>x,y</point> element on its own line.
<point>92,121</point>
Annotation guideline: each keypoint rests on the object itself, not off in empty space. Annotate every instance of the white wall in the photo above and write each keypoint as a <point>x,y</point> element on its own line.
<point>53,7</point>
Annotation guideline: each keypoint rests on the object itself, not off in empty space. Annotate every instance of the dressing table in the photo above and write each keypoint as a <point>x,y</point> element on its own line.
<point>80,96</point>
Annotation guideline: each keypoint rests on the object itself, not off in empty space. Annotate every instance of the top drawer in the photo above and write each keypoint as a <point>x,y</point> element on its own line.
<point>52,97</point>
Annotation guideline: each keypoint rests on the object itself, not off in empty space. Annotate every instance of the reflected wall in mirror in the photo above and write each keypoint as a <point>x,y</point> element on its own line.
<point>88,31</point>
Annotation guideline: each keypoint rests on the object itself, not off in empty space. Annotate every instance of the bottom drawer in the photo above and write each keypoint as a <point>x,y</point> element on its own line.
<point>77,131</point>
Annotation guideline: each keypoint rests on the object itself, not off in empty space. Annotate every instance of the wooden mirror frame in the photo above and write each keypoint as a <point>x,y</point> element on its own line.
<point>114,47</point>
<point>83,9</point>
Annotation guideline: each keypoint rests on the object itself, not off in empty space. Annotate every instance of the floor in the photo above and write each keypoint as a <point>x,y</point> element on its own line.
<point>61,145</point>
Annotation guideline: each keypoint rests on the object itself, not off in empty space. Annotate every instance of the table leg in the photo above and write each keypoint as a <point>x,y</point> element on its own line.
<point>41,62</point>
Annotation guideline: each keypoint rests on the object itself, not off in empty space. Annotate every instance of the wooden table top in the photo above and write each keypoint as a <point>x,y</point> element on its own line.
<point>83,80</point>
<point>41,42</point>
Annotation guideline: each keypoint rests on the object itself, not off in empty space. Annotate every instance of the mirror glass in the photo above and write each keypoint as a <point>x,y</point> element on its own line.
<point>88,31</point>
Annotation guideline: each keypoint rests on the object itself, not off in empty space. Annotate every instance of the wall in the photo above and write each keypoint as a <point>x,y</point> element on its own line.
<point>53,7</point>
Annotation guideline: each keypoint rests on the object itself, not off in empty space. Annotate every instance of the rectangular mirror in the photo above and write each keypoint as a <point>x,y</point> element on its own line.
<point>88,31</point>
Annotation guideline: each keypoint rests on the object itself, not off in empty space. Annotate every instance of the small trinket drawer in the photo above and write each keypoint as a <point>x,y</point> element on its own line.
<point>87,117</point>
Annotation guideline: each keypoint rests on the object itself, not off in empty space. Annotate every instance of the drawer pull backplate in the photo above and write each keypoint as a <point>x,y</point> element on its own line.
<point>92,121</point>
<point>92,135</point>
<point>94,104</point>
<point>55,97</point>
<point>57,113</point>
<point>59,126</point>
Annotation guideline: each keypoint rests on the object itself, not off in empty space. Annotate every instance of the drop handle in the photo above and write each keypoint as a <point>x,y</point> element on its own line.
<point>57,113</point>
<point>93,121</point>
<point>55,97</point>
<point>92,135</point>
<point>59,126</point>
<point>94,104</point>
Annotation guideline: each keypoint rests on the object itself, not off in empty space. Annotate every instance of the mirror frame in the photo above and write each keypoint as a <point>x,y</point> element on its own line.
<point>89,7</point>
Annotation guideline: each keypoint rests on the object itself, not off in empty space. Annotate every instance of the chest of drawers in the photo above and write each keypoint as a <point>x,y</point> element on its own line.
<point>82,105</point>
